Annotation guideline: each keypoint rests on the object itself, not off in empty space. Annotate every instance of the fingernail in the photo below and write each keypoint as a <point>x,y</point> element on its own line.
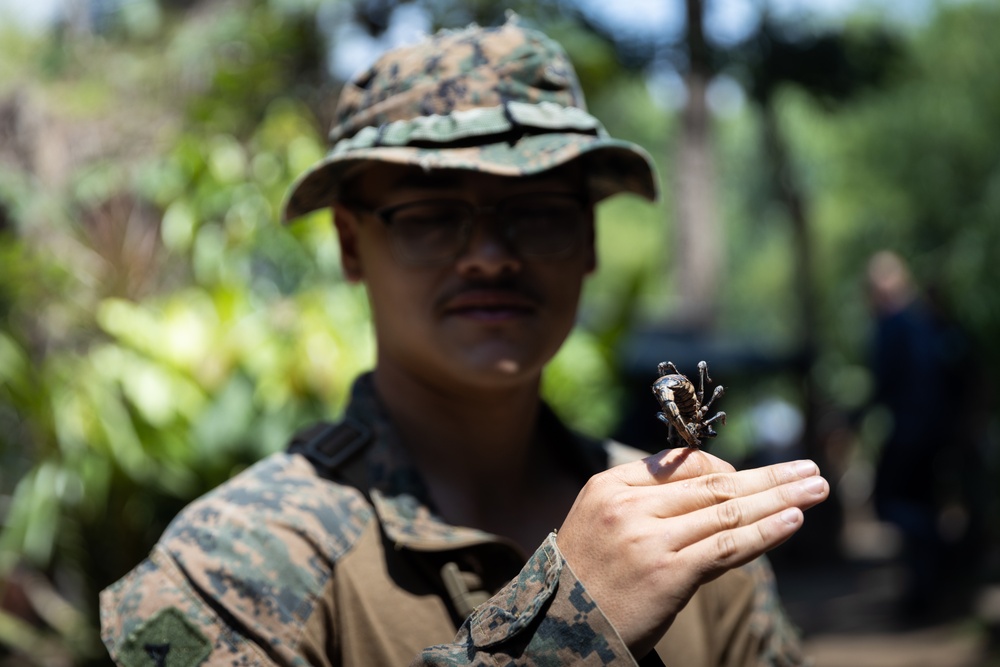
<point>790,516</point>
<point>814,485</point>
<point>805,468</point>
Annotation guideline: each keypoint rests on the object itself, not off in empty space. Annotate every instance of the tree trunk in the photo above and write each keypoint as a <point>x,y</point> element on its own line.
<point>790,194</point>
<point>698,256</point>
<point>819,538</point>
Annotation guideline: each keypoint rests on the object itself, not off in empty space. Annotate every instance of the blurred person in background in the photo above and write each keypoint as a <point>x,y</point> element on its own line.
<point>919,359</point>
<point>420,528</point>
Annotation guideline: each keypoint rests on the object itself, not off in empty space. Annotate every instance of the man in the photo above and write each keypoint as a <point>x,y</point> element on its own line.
<point>912,341</point>
<point>463,177</point>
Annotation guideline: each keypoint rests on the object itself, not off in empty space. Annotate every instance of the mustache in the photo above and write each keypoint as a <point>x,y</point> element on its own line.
<point>503,284</point>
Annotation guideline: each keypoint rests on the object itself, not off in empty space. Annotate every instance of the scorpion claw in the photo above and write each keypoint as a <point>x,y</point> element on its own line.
<point>682,408</point>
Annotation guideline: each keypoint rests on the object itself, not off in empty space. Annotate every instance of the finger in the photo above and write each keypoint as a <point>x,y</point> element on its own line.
<point>738,513</point>
<point>715,488</point>
<point>670,465</point>
<point>732,548</point>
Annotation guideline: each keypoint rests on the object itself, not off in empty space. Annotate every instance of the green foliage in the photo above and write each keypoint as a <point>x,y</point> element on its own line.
<point>158,330</point>
<point>915,169</point>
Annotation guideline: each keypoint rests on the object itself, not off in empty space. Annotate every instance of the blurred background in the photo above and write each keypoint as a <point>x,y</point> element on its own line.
<point>828,239</point>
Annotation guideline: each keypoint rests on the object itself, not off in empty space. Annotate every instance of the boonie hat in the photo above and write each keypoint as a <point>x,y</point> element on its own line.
<point>502,100</point>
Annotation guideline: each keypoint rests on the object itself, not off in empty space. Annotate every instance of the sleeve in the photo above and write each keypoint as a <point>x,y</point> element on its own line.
<point>153,618</point>
<point>777,639</point>
<point>544,616</point>
<point>749,624</point>
<point>238,575</point>
<point>733,621</point>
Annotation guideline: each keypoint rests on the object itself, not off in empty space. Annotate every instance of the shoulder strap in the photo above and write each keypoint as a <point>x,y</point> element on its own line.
<point>333,450</point>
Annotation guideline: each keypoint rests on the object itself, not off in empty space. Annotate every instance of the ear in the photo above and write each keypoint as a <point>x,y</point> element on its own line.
<point>346,223</point>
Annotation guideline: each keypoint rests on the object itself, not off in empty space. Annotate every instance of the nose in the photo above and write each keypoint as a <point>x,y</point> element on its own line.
<point>488,252</point>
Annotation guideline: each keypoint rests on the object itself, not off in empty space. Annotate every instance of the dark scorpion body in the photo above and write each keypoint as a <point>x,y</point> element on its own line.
<point>682,405</point>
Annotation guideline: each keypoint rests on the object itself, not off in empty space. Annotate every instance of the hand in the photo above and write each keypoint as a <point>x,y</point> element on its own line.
<point>642,537</point>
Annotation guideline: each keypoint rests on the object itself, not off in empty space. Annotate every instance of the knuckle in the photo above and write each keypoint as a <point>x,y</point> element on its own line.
<point>726,547</point>
<point>763,534</point>
<point>618,507</point>
<point>603,484</point>
<point>597,482</point>
<point>730,515</point>
<point>721,487</point>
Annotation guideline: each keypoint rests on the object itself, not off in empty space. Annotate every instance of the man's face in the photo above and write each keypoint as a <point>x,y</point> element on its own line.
<point>491,314</point>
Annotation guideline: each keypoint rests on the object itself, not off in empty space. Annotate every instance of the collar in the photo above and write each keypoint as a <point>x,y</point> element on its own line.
<point>399,494</point>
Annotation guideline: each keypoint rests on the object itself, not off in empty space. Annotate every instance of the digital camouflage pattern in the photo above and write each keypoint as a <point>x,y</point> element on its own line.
<point>281,566</point>
<point>502,100</point>
<point>769,621</point>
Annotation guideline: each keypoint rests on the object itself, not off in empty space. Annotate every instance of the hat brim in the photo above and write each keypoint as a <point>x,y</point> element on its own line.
<point>612,165</point>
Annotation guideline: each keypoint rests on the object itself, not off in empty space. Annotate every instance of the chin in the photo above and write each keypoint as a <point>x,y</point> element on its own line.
<point>486,372</point>
<point>508,367</point>
<point>504,372</point>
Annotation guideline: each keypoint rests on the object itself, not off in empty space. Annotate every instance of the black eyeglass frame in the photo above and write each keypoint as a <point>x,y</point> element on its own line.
<point>475,212</point>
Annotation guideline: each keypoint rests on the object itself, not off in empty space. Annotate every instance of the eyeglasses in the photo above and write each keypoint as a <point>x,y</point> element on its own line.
<point>438,231</point>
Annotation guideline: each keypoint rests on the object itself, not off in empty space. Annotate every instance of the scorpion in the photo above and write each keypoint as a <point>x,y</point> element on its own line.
<point>683,410</point>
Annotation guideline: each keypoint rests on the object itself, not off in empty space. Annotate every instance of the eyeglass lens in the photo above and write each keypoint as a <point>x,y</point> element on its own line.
<point>439,230</point>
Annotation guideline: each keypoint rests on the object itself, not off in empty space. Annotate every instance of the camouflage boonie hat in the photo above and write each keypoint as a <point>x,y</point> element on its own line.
<point>501,100</point>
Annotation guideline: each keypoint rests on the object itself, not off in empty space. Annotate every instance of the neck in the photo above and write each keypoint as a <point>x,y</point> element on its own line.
<point>479,454</point>
<point>465,433</point>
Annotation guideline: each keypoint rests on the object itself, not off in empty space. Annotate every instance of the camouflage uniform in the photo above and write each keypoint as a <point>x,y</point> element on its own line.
<point>281,566</point>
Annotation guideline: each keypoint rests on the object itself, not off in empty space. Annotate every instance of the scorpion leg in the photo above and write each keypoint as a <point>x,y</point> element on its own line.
<point>707,424</point>
<point>667,368</point>
<point>702,374</point>
<point>672,439</point>
<point>719,391</point>
<point>719,416</point>
<point>672,417</point>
